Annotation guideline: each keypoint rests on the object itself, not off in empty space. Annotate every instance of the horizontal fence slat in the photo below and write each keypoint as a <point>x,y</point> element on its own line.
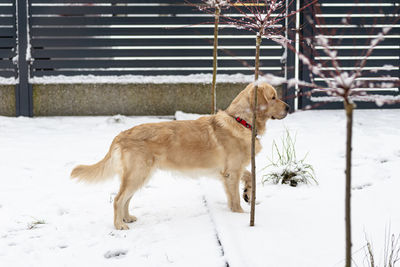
<point>107,42</point>
<point>7,21</point>
<point>6,64</point>
<point>356,20</point>
<point>392,9</point>
<point>354,31</point>
<point>153,19</point>
<point>41,73</point>
<point>369,63</point>
<point>360,105</point>
<point>110,1</point>
<point>6,10</point>
<point>360,52</point>
<point>374,72</point>
<point>119,10</point>
<point>6,53</point>
<point>150,20</point>
<point>81,64</point>
<point>87,32</point>
<point>355,2</point>
<point>7,73</point>
<point>112,10</point>
<point>92,53</point>
<point>7,42</point>
<point>381,92</point>
<point>7,32</point>
<point>361,41</point>
<point>365,87</point>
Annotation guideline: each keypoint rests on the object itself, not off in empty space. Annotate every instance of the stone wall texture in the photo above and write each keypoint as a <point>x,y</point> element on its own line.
<point>125,99</point>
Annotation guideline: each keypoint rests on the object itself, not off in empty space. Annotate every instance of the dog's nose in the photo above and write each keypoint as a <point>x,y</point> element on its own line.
<point>287,107</point>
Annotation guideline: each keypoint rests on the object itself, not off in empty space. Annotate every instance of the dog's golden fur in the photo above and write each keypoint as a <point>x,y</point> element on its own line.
<point>215,143</point>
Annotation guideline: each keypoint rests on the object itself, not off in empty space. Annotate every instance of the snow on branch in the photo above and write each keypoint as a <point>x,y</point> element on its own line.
<point>337,80</point>
<point>206,5</point>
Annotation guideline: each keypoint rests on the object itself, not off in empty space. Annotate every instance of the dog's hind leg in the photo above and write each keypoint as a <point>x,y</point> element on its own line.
<point>125,193</point>
<point>127,217</point>
<point>132,179</point>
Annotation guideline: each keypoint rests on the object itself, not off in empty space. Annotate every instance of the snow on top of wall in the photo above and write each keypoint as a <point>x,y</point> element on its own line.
<point>8,81</point>
<point>135,79</point>
<point>126,79</point>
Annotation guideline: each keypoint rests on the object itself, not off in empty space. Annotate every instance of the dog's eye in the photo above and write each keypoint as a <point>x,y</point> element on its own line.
<point>273,98</point>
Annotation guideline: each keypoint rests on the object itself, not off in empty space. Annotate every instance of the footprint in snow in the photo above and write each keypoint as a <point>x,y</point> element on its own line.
<point>383,160</point>
<point>62,212</point>
<point>115,253</point>
<point>360,187</point>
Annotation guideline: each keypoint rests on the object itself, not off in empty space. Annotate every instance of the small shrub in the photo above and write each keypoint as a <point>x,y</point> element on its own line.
<point>286,169</point>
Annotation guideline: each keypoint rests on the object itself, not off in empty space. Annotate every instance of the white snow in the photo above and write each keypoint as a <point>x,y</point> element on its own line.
<point>8,81</point>
<point>157,79</point>
<point>179,219</point>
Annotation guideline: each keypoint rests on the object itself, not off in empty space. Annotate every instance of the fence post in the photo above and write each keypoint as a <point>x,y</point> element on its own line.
<point>23,90</point>
<point>306,48</point>
<point>288,93</point>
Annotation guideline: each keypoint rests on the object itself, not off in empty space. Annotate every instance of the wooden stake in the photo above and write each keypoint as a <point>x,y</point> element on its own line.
<point>215,62</point>
<point>349,116</point>
<point>254,133</point>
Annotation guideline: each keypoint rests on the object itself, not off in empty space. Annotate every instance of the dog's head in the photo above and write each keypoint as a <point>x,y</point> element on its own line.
<point>269,106</point>
<point>268,103</point>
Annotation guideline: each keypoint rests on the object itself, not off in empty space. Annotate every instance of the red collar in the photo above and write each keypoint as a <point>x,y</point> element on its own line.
<point>243,122</point>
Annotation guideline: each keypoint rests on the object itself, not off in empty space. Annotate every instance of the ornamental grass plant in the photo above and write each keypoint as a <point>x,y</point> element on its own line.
<point>285,168</point>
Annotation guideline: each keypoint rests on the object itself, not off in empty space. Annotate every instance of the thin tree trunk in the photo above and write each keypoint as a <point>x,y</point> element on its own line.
<point>349,116</point>
<point>254,133</point>
<point>215,62</point>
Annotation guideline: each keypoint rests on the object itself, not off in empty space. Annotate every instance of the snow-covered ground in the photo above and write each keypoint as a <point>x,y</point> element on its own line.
<point>46,219</point>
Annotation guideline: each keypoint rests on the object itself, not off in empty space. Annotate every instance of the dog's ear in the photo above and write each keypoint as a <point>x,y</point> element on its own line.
<point>264,91</point>
<point>262,98</point>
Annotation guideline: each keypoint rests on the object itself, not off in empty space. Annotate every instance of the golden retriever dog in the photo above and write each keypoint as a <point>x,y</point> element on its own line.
<point>219,144</point>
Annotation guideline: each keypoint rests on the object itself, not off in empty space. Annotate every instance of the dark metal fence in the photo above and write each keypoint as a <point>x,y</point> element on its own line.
<point>8,35</point>
<point>115,37</point>
<point>350,26</point>
<point>154,37</point>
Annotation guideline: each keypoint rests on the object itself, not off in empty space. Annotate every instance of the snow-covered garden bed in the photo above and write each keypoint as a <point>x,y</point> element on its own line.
<point>48,220</point>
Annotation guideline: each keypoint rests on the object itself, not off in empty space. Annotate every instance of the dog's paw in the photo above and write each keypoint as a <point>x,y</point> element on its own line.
<point>247,194</point>
<point>121,226</point>
<point>238,209</point>
<point>130,219</point>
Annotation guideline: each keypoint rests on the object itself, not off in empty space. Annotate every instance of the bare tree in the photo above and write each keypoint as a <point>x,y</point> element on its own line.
<point>338,84</point>
<point>213,7</point>
<point>262,17</point>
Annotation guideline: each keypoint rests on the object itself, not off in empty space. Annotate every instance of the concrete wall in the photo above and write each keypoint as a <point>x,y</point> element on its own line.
<point>126,99</point>
<point>7,100</point>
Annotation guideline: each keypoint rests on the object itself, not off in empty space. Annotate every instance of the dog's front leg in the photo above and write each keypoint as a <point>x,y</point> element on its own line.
<point>246,178</point>
<point>231,184</point>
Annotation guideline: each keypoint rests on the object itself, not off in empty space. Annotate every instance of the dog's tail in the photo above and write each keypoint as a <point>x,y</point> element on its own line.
<point>102,170</point>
